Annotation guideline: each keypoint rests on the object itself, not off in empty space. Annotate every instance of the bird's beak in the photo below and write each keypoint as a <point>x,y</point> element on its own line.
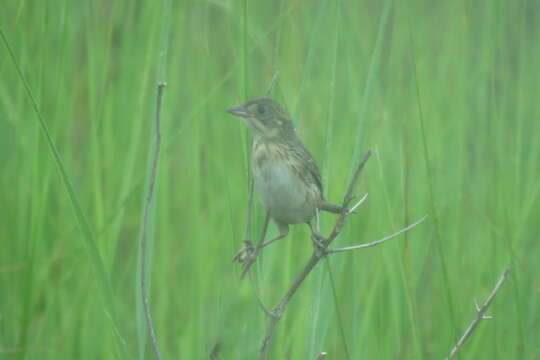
<point>250,120</point>
<point>238,111</point>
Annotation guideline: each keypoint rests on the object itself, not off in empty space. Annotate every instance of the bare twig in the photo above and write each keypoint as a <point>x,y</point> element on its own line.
<point>278,310</point>
<point>376,242</point>
<point>250,252</point>
<point>144,238</point>
<point>350,189</point>
<point>480,314</point>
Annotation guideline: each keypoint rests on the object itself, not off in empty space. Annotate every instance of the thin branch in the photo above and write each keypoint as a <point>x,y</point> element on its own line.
<point>144,238</point>
<point>278,310</point>
<point>480,314</point>
<point>259,300</point>
<point>376,242</point>
<point>350,189</point>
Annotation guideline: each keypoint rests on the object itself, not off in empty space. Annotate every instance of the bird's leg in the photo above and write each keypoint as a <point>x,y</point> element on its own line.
<point>245,252</point>
<point>248,254</point>
<point>251,258</point>
<point>283,231</point>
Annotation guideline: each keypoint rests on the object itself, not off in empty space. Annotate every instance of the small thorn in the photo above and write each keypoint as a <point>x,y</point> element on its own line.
<point>351,210</point>
<point>487,317</point>
<point>476,305</point>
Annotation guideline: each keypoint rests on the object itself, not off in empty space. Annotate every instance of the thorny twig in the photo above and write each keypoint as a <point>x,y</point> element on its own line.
<point>144,238</point>
<point>278,310</point>
<point>480,314</point>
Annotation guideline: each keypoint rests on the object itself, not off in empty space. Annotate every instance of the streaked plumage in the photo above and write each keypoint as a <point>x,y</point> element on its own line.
<point>287,186</point>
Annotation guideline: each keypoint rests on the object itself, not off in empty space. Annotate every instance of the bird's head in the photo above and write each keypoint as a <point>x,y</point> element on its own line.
<point>265,118</point>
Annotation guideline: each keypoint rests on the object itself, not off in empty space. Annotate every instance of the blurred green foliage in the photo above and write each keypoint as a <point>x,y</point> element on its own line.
<point>448,103</point>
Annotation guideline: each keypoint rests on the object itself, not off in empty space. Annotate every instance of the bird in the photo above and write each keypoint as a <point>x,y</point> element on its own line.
<point>287,179</point>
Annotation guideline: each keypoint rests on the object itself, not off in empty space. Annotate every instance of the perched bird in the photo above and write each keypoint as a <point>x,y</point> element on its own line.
<point>287,179</point>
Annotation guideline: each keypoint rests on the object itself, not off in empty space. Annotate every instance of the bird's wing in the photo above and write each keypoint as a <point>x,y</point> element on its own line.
<point>311,166</point>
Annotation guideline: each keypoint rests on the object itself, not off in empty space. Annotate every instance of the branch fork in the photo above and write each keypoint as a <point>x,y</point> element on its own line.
<point>321,250</point>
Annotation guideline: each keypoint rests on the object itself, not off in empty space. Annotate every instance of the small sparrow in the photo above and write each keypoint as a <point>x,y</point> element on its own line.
<point>287,179</point>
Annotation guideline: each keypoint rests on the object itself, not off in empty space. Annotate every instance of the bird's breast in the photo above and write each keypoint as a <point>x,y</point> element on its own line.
<point>282,187</point>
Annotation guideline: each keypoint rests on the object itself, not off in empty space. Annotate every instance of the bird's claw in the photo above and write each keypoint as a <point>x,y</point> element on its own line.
<point>244,253</point>
<point>246,256</point>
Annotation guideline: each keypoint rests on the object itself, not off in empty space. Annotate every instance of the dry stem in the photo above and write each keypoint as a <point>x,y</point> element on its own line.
<point>144,237</point>
<point>480,314</point>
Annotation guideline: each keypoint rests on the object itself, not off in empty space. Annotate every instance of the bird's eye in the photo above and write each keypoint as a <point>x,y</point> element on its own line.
<point>261,109</point>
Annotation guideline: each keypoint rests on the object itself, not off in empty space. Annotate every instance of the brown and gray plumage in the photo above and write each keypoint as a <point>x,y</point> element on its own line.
<point>287,179</point>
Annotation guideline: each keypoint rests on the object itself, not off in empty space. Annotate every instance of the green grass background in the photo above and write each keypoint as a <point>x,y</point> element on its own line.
<point>444,92</point>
